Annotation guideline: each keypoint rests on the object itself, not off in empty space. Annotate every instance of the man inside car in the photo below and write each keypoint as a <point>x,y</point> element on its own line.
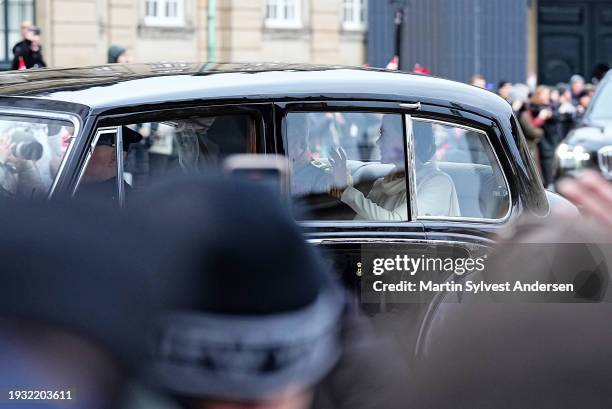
<point>100,177</point>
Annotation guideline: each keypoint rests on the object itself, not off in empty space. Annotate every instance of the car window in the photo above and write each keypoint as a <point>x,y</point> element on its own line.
<point>157,150</point>
<point>31,153</point>
<point>457,173</point>
<point>347,165</point>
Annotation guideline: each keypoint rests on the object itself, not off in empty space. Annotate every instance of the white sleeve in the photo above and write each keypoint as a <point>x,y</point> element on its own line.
<point>368,210</point>
<point>434,198</point>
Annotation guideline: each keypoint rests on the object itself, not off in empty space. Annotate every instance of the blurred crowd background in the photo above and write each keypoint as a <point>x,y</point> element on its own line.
<point>548,113</point>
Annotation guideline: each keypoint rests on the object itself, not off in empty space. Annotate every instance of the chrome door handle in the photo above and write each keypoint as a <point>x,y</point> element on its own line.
<point>407,105</point>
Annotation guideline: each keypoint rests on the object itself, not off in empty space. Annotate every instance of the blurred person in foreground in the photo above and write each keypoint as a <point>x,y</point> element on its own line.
<point>259,321</point>
<point>548,350</point>
<point>28,52</point>
<point>592,194</point>
<point>75,301</point>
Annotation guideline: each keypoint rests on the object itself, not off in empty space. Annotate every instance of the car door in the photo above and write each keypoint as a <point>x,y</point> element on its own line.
<point>158,143</point>
<point>308,133</point>
<point>469,151</point>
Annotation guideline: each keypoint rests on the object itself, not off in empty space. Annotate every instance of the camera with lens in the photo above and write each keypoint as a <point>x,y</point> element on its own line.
<point>25,146</point>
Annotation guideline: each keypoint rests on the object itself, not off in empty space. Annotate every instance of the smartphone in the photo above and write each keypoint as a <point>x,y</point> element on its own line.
<point>271,171</point>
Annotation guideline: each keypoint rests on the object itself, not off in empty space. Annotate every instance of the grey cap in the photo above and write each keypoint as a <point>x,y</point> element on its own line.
<point>576,78</point>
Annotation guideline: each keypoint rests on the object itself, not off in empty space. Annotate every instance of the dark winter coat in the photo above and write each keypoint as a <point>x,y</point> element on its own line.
<point>31,59</point>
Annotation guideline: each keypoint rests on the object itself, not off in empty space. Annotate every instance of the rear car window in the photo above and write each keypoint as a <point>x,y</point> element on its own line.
<point>153,151</point>
<point>459,175</point>
<point>190,145</point>
<point>31,153</point>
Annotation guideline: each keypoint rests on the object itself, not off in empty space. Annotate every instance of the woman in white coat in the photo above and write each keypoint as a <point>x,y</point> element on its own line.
<point>387,200</point>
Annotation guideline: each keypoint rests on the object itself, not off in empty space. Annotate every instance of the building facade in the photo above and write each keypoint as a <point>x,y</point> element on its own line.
<point>454,38</point>
<point>79,32</point>
<point>500,39</point>
<point>573,36</point>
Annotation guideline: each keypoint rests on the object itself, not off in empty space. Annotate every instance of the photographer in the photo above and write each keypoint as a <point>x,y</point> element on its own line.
<point>541,128</point>
<point>28,53</point>
<point>19,175</point>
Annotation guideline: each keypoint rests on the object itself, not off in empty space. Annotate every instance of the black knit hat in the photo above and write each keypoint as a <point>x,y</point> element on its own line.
<point>78,267</point>
<point>129,137</point>
<point>114,52</point>
<point>253,308</point>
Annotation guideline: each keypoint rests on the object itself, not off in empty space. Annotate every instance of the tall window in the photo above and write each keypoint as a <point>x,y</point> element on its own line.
<point>12,13</point>
<point>283,13</point>
<point>354,14</point>
<point>164,12</point>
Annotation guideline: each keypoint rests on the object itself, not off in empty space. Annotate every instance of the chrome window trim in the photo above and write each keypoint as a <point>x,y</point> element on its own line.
<point>119,159</point>
<point>407,105</point>
<point>411,163</point>
<point>355,223</point>
<point>382,240</point>
<point>90,149</point>
<point>37,113</point>
<point>470,219</point>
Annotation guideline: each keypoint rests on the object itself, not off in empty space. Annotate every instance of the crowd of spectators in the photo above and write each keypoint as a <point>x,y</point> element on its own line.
<point>547,113</point>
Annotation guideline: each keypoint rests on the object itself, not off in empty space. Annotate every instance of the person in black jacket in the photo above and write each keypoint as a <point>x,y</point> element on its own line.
<point>551,134</point>
<point>100,178</point>
<point>28,53</point>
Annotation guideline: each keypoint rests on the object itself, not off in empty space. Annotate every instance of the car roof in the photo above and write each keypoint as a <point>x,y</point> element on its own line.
<point>121,85</point>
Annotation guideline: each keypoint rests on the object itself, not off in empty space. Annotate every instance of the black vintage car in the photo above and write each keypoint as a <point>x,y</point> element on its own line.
<point>589,145</point>
<point>382,163</point>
